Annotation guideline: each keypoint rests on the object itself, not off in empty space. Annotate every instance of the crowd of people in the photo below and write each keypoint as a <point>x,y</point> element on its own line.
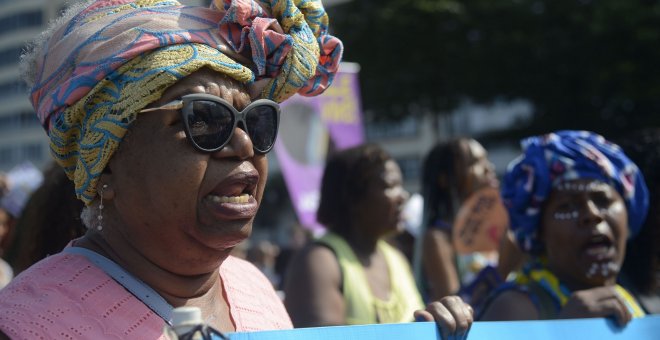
<point>160,117</point>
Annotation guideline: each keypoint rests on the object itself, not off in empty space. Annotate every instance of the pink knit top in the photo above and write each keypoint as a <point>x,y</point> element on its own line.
<point>65,296</point>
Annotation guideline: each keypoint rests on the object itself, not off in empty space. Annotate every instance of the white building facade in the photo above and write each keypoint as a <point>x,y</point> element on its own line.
<point>21,136</point>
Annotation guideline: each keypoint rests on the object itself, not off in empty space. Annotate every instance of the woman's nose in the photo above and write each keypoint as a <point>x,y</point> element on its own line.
<point>239,146</point>
<point>491,167</point>
<point>590,214</point>
<point>404,195</point>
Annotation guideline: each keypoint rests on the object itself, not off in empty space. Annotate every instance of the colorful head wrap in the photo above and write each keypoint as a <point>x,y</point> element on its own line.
<point>116,56</point>
<point>567,155</point>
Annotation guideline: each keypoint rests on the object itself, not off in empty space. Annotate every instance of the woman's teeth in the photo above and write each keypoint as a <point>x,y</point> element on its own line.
<point>243,198</point>
<point>604,269</point>
<point>598,250</point>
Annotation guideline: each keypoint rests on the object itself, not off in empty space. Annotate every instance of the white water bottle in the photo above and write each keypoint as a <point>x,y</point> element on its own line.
<point>184,320</point>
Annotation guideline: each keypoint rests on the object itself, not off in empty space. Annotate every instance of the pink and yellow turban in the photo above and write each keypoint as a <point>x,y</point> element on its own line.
<point>115,57</point>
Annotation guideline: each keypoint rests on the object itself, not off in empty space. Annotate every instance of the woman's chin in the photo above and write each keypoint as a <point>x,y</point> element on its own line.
<point>225,236</point>
<point>601,273</point>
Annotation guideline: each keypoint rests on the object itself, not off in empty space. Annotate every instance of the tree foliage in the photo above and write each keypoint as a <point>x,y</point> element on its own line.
<point>582,63</point>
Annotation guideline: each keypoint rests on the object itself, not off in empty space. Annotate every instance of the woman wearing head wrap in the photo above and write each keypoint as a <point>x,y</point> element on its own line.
<point>574,199</point>
<point>162,115</point>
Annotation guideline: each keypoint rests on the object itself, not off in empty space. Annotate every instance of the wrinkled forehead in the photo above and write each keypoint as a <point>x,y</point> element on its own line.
<point>209,81</point>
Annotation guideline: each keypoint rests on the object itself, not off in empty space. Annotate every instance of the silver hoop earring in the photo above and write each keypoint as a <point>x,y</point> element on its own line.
<point>100,216</point>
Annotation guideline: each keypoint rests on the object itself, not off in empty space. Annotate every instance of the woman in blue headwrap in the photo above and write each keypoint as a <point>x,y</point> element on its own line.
<point>574,199</point>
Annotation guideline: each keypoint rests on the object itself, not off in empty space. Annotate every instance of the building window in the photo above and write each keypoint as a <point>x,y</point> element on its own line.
<point>10,56</point>
<point>15,121</point>
<point>17,21</point>
<point>7,155</point>
<point>410,168</point>
<point>28,119</point>
<point>13,88</point>
<point>407,127</point>
<point>33,152</point>
<point>11,155</point>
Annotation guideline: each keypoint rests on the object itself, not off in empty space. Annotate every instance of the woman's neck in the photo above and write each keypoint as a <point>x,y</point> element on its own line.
<point>364,246</point>
<point>176,289</point>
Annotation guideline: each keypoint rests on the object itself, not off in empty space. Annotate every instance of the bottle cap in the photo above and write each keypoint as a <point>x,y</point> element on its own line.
<point>184,316</point>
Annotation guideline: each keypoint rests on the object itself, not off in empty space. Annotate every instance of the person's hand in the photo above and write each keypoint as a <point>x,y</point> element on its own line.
<point>453,316</point>
<point>595,303</point>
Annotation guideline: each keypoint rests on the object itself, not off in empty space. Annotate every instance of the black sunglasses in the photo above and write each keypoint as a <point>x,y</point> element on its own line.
<point>210,121</point>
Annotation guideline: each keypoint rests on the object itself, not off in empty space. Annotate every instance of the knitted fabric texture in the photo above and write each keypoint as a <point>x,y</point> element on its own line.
<point>550,159</point>
<point>77,300</point>
<point>115,57</point>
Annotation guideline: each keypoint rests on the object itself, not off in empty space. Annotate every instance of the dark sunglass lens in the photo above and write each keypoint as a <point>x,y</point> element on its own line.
<point>261,123</point>
<point>210,124</point>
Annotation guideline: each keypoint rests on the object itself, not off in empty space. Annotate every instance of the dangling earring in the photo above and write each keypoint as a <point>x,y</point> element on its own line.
<point>100,217</point>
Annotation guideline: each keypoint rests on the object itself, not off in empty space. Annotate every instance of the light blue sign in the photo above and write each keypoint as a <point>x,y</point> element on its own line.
<point>579,329</point>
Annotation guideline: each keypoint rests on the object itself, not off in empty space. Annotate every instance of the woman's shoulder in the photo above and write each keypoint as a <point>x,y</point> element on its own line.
<point>316,259</point>
<point>51,273</point>
<point>314,269</point>
<point>50,297</point>
<point>510,301</point>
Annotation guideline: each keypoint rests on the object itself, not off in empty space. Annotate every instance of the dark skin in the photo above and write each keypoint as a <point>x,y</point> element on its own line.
<point>159,223</point>
<point>6,222</point>
<point>314,297</point>
<point>596,236</point>
<point>317,300</point>
<point>474,171</point>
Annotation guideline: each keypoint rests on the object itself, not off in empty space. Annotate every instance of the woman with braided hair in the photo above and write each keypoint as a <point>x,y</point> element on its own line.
<point>454,170</point>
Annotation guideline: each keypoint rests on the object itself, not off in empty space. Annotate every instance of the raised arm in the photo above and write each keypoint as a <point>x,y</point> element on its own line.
<point>439,264</point>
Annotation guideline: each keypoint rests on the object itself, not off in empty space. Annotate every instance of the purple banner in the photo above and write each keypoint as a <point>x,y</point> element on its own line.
<point>312,126</point>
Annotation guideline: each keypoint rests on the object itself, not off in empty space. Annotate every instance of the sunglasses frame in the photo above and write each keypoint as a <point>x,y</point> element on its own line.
<point>184,105</point>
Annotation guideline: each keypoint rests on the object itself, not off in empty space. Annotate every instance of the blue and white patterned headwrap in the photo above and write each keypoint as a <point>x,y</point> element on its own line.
<point>561,156</point>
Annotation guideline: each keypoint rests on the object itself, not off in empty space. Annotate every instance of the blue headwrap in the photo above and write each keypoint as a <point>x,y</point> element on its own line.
<point>561,156</point>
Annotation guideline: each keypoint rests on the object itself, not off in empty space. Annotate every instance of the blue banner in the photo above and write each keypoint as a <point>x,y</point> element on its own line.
<point>579,329</point>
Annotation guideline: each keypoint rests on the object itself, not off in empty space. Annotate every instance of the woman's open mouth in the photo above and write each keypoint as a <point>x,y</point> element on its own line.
<point>243,198</point>
<point>234,198</point>
<point>599,248</point>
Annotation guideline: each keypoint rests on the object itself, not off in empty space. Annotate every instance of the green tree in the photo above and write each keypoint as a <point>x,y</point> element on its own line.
<point>582,63</point>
